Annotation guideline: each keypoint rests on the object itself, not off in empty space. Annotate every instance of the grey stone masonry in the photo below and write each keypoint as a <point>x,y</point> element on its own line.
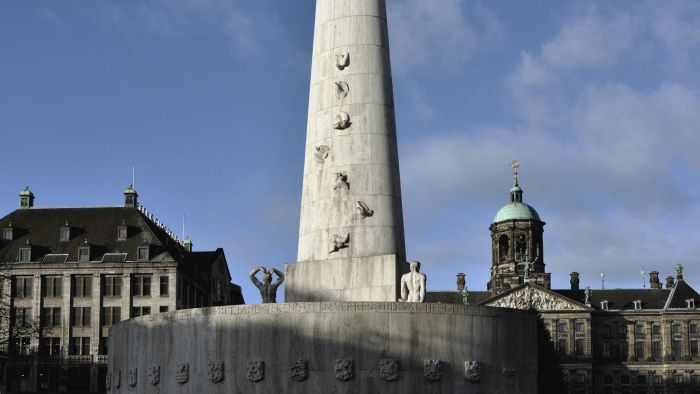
<point>330,347</point>
<point>351,196</point>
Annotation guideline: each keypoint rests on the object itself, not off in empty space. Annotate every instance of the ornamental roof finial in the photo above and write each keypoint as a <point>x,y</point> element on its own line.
<point>515,165</point>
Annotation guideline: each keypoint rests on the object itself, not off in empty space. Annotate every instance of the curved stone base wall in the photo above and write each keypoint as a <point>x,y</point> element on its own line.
<point>327,347</point>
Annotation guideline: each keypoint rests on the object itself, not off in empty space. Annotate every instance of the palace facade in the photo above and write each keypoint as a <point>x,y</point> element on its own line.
<point>641,341</point>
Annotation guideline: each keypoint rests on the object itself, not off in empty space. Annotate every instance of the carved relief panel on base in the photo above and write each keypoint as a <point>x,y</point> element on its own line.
<point>389,369</point>
<point>132,376</point>
<point>182,373</point>
<point>216,372</point>
<point>472,371</point>
<point>432,370</point>
<point>154,375</point>
<point>256,370</point>
<point>344,369</point>
<point>299,370</point>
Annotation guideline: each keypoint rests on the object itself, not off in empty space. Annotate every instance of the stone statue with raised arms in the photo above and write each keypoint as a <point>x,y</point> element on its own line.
<point>413,284</point>
<point>268,289</point>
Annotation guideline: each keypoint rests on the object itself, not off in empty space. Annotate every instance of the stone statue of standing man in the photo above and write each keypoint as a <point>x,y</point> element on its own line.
<point>268,289</point>
<point>413,284</point>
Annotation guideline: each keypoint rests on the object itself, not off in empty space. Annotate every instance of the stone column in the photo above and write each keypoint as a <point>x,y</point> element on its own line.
<point>649,340</point>
<point>351,238</point>
<point>36,310</point>
<point>572,336</point>
<point>666,334</point>
<point>631,336</point>
<point>172,288</point>
<point>66,312</point>
<point>96,314</point>
<point>589,337</point>
<point>6,323</point>
<point>685,341</point>
<point>126,296</point>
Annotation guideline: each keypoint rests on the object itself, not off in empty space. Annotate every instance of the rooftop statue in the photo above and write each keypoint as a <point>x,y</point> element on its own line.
<point>268,290</point>
<point>413,284</point>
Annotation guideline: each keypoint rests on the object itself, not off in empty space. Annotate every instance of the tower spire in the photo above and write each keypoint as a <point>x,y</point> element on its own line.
<point>516,193</point>
<point>515,165</point>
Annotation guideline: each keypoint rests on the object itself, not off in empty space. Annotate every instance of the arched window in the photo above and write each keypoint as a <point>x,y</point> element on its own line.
<point>521,246</point>
<point>502,247</point>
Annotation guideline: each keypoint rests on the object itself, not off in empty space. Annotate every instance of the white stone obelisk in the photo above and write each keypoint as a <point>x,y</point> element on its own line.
<point>351,238</point>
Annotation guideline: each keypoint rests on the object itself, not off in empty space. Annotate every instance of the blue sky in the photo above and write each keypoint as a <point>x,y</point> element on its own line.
<point>600,102</point>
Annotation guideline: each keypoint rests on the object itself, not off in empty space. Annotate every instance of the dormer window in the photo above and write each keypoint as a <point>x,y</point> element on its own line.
<point>637,304</point>
<point>7,233</point>
<point>604,305</point>
<point>122,232</point>
<point>84,253</point>
<point>65,233</point>
<point>25,255</point>
<point>690,303</point>
<point>142,253</point>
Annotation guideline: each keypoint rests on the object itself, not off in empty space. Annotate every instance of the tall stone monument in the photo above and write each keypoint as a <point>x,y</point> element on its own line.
<point>351,238</point>
<point>326,337</point>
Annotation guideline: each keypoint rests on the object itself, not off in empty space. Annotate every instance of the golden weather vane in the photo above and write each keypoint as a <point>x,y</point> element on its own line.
<point>515,165</point>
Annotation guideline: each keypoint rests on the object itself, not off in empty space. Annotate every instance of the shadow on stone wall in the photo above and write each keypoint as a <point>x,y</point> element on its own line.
<point>337,341</point>
<point>550,378</point>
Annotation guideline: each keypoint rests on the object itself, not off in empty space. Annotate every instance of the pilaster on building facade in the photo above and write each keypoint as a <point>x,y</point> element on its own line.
<point>71,273</point>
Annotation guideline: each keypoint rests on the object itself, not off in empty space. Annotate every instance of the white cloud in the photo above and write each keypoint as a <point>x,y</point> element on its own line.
<point>246,27</point>
<point>445,35</point>
<point>608,181</point>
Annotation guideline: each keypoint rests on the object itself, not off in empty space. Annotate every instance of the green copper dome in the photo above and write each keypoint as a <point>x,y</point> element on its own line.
<point>516,211</point>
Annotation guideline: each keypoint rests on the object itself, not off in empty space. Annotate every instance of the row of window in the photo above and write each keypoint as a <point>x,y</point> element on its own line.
<point>656,379</point>
<point>579,347</point>
<point>579,327</point>
<point>52,286</point>
<point>25,254</point>
<point>619,350</point>
<point>640,329</point>
<point>81,316</point>
<point>52,346</point>
<point>64,233</point>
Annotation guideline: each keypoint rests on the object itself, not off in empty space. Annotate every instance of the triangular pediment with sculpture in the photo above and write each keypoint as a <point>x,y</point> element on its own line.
<point>529,296</point>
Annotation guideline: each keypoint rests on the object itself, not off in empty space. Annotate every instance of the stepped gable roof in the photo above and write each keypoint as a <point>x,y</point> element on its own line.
<point>98,225</point>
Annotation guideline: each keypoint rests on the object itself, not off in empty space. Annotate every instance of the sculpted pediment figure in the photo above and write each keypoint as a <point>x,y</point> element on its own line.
<point>534,297</point>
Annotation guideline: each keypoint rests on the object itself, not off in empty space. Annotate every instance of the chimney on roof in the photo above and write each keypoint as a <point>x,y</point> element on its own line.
<point>187,244</point>
<point>654,282</point>
<point>669,282</point>
<point>131,197</point>
<point>461,282</point>
<point>574,281</point>
<point>26,198</point>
